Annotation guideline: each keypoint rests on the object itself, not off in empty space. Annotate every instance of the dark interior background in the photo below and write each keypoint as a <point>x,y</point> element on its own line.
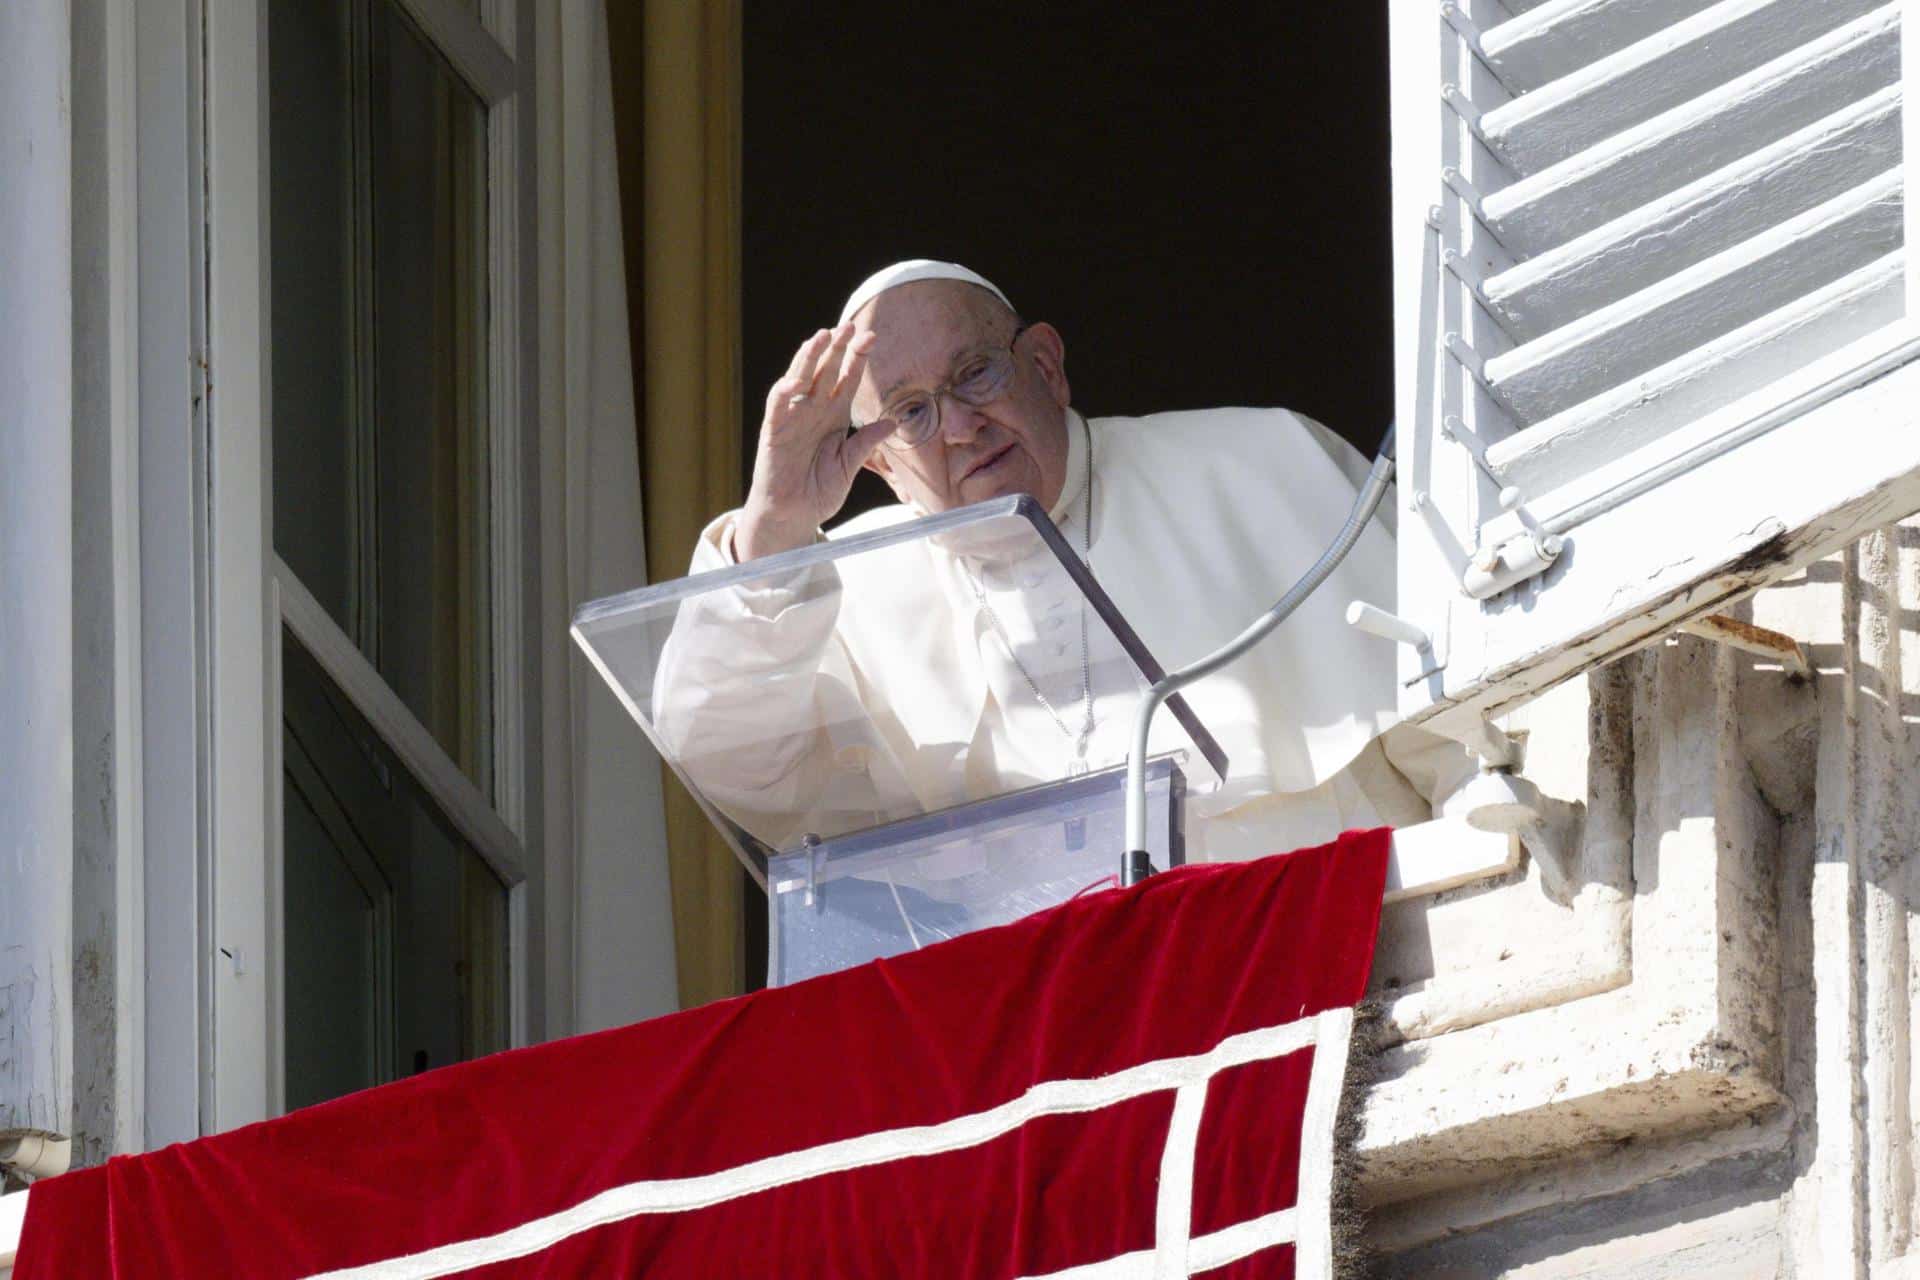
<point>1197,197</point>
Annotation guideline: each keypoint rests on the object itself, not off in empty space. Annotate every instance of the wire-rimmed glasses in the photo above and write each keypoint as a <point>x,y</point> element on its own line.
<point>979,379</point>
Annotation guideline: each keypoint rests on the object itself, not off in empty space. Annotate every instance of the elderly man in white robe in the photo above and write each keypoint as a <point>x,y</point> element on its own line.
<point>1192,522</point>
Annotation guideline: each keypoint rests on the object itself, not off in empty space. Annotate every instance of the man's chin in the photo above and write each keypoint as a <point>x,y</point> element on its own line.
<point>1003,479</point>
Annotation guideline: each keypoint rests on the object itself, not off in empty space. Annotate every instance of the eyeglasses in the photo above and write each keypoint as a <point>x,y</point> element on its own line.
<point>980,379</point>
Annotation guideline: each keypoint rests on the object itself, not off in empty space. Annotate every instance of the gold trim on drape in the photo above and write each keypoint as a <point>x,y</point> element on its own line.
<point>676,70</point>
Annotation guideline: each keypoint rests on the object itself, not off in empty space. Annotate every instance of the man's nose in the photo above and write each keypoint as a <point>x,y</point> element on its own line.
<point>959,421</point>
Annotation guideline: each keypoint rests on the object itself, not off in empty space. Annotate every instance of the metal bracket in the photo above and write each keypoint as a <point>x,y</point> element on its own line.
<point>1745,636</point>
<point>34,1153</point>
<point>1458,183</point>
<point>1464,27</point>
<point>1494,569</point>
<point>1455,431</point>
<point>1511,560</point>
<point>1476,366</point>
<point>1476,201</point>
<point>811,843</point>
<point>1388,626</point>
<point>1465,272</point>
<point>1391,626</point>
<point>1464,108</point>
<point>1476,284</point>
<point>1469,359</point>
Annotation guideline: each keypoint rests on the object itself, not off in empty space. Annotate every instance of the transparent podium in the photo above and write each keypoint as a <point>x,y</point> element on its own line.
<point>904,734</point>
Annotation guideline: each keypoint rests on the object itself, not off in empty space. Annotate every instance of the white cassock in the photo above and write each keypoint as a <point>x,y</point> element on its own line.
<point>896,684</point>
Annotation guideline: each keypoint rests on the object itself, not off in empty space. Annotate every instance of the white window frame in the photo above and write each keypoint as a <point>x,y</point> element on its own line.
<point>157,279</point>
<point>1644,557</point>
<point>252,595</point>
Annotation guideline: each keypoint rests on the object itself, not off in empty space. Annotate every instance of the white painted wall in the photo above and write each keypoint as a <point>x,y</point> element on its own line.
<point>36,565</point>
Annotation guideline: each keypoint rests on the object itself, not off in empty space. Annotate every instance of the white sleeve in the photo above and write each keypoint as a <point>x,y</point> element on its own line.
<point>756,699</point>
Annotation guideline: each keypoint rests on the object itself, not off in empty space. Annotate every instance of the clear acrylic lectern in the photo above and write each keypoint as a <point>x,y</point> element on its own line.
<point>905,733</point>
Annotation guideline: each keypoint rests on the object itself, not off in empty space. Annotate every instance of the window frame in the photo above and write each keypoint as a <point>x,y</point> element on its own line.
<point>251,595</point>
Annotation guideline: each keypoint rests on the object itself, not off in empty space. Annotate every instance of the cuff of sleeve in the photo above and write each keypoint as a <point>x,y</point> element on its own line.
<point>769,598</point>
<point>715,549</point>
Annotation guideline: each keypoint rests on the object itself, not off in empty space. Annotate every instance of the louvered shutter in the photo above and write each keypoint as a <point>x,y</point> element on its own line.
<point>1652,334</point>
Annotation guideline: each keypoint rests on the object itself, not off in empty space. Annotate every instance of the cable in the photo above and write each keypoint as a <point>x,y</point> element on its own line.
<point>1135,864</point>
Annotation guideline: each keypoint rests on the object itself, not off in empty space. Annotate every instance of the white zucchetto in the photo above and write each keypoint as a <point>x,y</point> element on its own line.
<point>907,273</point>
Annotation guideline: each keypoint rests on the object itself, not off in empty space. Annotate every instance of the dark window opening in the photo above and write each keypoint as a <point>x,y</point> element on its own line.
<point>1198,198</point>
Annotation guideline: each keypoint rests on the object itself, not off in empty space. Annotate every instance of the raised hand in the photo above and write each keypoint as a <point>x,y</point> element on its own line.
<point>806,460</point>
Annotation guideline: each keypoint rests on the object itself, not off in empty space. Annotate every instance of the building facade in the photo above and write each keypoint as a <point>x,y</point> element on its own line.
<point>1657,450</point>
<point>1656,352</point>
<point>322,421</point>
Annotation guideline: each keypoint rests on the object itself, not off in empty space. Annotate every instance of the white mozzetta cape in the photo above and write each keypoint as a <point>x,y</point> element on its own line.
<point>1200,520</point>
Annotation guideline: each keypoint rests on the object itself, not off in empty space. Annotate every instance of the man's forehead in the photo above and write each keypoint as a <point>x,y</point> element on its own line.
<point>923,326</point>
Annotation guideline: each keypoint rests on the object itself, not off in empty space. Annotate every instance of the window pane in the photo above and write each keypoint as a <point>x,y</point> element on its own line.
<point>315,386</point>
<point>395,927</point>
<point>337,918</point>
<point>429,155</point>
<point>378,155</point>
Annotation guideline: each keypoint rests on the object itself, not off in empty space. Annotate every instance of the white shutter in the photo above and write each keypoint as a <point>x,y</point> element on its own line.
<point>1653,342</point>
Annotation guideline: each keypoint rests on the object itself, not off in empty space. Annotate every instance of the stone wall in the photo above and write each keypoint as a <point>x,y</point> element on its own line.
<point>1682,1043</point>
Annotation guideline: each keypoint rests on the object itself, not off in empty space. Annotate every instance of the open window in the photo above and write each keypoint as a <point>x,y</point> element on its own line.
<point>366,283</point>
<point>1655,326</point>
